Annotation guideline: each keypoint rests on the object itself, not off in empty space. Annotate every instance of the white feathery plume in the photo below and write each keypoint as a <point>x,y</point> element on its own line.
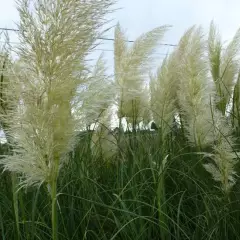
<point>98,94</point>
<point>146,113</point>
<point>163,95</point>
<point>195,89</point>
<point>104,141</point>
<point>131,67</point>
<point>55,37</point>
<point>205,125</point>
<point>224,158</point>
<point>224,65</point>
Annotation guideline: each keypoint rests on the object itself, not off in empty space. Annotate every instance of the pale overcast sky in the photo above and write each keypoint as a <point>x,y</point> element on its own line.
<point>139,16</point>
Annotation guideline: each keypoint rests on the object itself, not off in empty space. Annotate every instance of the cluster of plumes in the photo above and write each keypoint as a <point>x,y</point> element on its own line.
<point>55,38</point>
<point>224,66</point>
<point>199,86</point>
<point>132,65</point>
<point>131,93</point>
<point>54,93</point>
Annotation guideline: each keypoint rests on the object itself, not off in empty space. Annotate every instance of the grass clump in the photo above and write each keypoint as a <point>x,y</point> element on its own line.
<point>67,174</point>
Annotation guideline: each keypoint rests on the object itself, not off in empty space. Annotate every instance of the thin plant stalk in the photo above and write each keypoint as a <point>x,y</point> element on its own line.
<point>15,204</point>
<point>2,226</point>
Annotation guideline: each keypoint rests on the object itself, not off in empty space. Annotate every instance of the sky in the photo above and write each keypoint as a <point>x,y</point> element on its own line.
<point>139,16</point>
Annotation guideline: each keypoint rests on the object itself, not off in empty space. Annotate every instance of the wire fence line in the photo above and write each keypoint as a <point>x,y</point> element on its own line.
<point>163,55</point>
<point>100,38</point>
<point>96,49</point>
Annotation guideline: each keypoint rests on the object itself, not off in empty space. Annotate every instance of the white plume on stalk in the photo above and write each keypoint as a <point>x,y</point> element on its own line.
<point>224,158</point>
<point>205,125</point>
<point>97,108</point>
<point>163,94</point>
<point>131,67</point>
<point>195,89</point>
<point>104,141</point>
<point>55,37</point>
<point>224,65</point>
<point>146,113</point>
<point>140,107</point>
<point>98,94</point>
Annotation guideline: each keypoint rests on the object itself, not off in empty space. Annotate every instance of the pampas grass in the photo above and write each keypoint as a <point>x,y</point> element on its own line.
<point>224,65</point>
<point>194,88</point>
<point>131,66</point>
<point>62,156</point>
<point>55,38</point>
<point>163,95</point>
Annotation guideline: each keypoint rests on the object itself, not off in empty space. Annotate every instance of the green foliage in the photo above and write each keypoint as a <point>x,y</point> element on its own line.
<point>124,199</point>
